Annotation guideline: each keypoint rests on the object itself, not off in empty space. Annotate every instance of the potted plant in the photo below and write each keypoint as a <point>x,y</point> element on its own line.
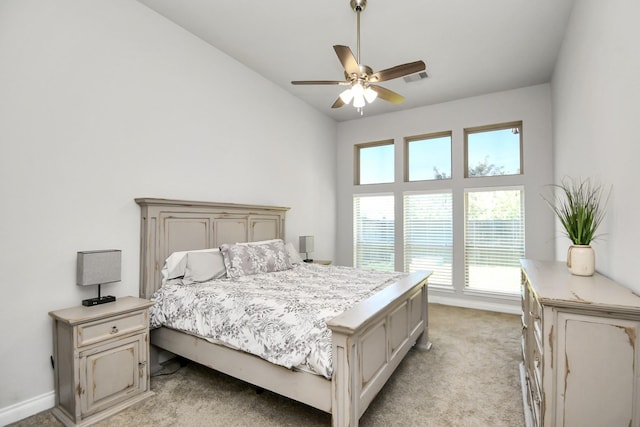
<point>580,207</point>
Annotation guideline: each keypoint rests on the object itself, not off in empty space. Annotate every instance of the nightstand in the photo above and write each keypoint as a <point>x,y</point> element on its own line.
<point>100,356</point>
<point>322,261</point>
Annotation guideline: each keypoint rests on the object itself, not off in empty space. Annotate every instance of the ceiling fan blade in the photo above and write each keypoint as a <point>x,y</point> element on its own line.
<point>388,95</point>
<point>320,82</point>
<point>347,59</point>
<point>398,71</point>
<point>339,103</point>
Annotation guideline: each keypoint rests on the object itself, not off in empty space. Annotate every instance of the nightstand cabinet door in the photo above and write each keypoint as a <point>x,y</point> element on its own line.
<point>112,373</point>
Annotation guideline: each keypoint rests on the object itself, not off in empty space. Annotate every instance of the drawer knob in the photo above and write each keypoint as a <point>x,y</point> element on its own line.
<point>114,329</point>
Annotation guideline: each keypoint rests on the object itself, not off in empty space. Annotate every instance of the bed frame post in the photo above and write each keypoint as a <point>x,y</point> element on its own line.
<point>344,388</point>
<point>423,343</point>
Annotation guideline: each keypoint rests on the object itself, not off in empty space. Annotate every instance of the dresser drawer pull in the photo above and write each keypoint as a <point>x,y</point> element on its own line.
<point>114,329</point>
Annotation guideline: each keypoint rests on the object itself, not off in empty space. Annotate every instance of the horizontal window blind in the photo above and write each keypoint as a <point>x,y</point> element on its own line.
<point>428,235</point>
<point>494,239</point>
<point>374,232</point>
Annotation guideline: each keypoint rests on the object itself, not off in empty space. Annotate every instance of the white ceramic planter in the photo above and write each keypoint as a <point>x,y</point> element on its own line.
<point>581,260</point>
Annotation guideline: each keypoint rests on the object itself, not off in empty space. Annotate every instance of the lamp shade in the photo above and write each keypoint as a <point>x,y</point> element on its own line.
<point>306,244</point>
<point>98,267</point>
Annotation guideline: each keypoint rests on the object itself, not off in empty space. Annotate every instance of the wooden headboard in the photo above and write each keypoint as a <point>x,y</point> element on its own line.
<point>168,226</point>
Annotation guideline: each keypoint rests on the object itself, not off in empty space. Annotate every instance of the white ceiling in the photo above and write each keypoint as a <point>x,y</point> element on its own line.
<point>471,47</point>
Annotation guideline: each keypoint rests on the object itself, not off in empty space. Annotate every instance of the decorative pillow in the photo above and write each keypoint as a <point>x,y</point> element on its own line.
<point>203,266</point>
<point>294,256</point>
<point>176,263</point>
<point>258,257</point>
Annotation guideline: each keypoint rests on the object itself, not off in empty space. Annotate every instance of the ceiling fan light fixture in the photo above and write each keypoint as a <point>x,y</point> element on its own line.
<point>358,101</point>
<point>357,89</point>
<point>346,96</point>
<point>370,95</point>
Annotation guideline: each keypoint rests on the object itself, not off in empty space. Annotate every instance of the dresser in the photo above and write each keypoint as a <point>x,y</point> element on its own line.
<point>100,356</point>
<point>581,357</point>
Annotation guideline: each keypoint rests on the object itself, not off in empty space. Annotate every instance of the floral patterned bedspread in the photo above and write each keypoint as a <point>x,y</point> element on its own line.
<point>279,316</point>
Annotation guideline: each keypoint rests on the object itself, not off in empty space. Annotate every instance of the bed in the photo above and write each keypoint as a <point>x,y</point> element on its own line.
<point>368,341</point>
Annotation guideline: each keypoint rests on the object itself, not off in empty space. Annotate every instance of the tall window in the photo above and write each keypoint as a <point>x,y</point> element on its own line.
<point>428,235</point>
<point>493,150</point>
<point>374,232</point>
<point>374,163</point>
<point>428,157</point>
<point>494,239</point>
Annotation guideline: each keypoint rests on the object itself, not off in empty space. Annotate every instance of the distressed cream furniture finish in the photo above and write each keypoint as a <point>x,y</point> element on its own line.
<point>100,359</point>
<point>369,341</point>
<point>581,357</point>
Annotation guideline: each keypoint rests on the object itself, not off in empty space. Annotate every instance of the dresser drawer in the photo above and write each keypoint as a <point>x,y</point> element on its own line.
<point>535,316</point>
<point>101,330</point>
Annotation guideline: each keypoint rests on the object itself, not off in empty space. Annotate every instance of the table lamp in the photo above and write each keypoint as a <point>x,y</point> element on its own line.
<point>98,268</point>
<point>306,246</point>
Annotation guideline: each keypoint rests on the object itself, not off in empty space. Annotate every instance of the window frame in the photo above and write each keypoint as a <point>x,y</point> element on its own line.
<point>409,194</point>
<point>356,219</point>
<point>488,128</point>
<point>465,284</point>
<point>357,163</point>
<point>409,139</point>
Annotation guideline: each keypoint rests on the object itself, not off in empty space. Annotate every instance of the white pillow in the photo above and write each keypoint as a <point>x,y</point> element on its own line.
<point>176,263</point>
<point>203,266</point>
<point>294,256</point>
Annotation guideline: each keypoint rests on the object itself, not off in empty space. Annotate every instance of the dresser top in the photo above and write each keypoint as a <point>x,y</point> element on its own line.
<point>554,285</point>
<point>82,314</point>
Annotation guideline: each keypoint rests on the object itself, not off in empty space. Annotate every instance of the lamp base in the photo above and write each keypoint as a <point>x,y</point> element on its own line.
<point>98,300</point>
<point>307,260</point>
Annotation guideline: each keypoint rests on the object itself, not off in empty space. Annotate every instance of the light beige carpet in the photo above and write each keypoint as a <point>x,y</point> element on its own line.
<point>469,378</point>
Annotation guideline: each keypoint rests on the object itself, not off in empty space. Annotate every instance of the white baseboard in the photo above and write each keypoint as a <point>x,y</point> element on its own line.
<point>510,307</point>
<point>26,408</point>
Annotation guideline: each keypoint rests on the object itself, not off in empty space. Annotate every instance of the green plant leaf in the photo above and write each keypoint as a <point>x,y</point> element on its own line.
<point>579,206</point>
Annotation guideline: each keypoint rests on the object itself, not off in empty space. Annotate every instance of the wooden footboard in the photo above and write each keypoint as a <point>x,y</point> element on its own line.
<point>370,341</point>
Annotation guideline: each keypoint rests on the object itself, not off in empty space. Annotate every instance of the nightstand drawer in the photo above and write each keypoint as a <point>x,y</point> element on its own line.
<point>93,332</point>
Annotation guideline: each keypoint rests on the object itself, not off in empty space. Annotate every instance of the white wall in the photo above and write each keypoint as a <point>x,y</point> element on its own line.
<point>596,93</point>
<point>532,105</point>
<point>105,101</point>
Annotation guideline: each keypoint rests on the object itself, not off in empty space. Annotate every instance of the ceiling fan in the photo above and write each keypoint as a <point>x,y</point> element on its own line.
<point>360,78</point>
